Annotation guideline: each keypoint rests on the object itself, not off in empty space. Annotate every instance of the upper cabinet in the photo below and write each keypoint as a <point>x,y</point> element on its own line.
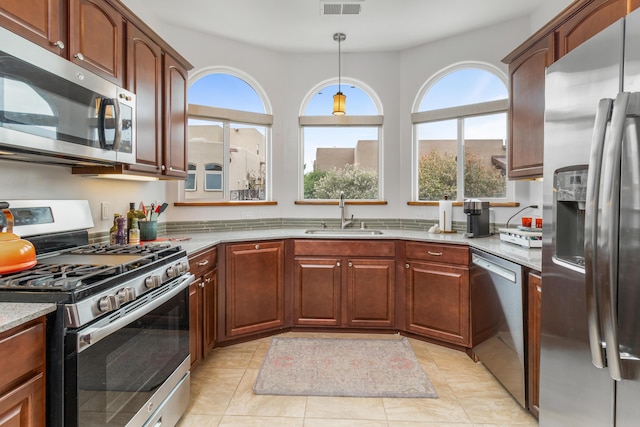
<point>96,38</point>
<point>527,65</point>
<point>41,21</point>
<point>175,128</point>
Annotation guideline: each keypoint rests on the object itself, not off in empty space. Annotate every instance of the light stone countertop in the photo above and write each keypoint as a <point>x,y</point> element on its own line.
<point>14,314</point>
<point>531,258</point>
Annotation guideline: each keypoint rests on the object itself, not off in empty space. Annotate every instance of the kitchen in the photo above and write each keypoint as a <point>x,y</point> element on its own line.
<point>408,68</point>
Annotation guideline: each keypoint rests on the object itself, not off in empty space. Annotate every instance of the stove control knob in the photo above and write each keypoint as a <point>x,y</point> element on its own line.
<point>173,271</point>
<point>108,303</point>
<point>153,281</point>
<point>126,295</point>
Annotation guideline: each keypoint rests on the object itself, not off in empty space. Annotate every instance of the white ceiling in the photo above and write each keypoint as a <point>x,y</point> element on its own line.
<point>298,26</point>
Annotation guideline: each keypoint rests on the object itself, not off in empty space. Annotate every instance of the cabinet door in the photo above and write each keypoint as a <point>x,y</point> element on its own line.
<point>438,301</point>
<point>526,110</point>
<point>317,291</point>
<point>209,311</point>
<point>144,78</point>
<point>370,293</point>
<point>195,322</point>
<point>41,21</point>
<point>24,406</point>
<point>588,22</point>
<point>175,126</point>
<point>254,287</point>
<point>533,341</point>
<point>96,40</point>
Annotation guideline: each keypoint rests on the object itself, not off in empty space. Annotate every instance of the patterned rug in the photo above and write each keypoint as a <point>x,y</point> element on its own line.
<point>342,367</point>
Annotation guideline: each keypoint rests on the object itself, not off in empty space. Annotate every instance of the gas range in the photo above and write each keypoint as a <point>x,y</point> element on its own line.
<point>92,280</point>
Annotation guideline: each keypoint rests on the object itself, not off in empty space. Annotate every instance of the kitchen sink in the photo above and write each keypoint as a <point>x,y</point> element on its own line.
<point>344,231</point>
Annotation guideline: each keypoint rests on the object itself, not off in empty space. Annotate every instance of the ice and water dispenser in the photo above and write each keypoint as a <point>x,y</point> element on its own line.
<point>569,201</point>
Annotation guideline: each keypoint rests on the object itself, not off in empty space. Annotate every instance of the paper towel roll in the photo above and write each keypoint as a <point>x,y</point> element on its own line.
<point>446,214</point>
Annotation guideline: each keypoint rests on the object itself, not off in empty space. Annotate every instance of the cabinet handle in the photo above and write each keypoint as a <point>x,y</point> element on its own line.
<point>538,288</point>
<point>257,247</point>
<point>350,264</point>
<point>201,285</point>
<point>79,56</point>
<point>434,253</point>
<point>59,44</point>
<point>203,263</point>
<point>407,266</point>
<point>338,264</point>
<point>162,167</point>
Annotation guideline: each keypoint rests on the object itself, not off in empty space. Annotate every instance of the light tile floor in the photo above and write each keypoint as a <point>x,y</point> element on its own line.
<point>221,395</point>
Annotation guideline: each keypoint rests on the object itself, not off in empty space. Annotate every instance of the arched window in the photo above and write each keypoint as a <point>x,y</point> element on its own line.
<point>229,137</point>
<point>460,128</point>
<point>341,153</point>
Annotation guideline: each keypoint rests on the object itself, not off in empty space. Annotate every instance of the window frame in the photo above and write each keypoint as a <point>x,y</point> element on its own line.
<point>341,121</point>
<point>190,172</point>
<point>458,113</point>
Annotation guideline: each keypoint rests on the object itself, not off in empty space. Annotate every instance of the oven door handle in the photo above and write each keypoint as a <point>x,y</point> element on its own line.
<point>94,334</point>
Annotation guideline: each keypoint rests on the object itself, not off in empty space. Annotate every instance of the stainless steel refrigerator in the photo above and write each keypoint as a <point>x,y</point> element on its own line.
<point>590,318</point>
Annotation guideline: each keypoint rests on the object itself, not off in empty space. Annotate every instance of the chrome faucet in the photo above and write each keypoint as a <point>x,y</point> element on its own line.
<point>343,222</point>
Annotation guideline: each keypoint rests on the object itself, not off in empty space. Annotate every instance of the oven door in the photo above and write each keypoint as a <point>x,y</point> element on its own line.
<point>121,368</point>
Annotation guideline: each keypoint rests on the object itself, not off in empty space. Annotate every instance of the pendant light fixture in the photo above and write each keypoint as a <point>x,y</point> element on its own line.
<point>339,99</point>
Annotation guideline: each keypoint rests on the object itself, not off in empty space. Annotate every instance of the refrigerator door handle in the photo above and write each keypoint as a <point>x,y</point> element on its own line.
<point>608,240</point>
<point>603,116</point>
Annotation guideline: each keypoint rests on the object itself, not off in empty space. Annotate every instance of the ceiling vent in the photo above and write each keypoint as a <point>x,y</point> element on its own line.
<point>340,8</point>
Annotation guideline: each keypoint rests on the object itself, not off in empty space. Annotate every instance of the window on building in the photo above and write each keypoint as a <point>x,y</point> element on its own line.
<point>229,137</point>
<point>341,154</point>
<point>191,182</point>
<point>460,129</point>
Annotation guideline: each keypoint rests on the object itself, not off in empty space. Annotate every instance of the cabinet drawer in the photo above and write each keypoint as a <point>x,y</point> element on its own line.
<point>368,248</point>
<point>434,252</point>
<point>204,261</point>
<point>22,351</point>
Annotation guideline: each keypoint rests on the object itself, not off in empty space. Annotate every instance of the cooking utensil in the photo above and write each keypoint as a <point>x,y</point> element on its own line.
<point>16,254</point>
<point>162,208</point>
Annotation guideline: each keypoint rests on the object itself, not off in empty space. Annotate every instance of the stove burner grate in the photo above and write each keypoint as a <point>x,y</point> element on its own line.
<point>63,277</point>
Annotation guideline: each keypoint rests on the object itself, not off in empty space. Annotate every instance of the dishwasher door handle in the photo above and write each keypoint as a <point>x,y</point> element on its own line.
<point>494,268</point>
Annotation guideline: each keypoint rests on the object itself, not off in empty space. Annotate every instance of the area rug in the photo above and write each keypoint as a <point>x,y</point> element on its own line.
<point>342,367</point>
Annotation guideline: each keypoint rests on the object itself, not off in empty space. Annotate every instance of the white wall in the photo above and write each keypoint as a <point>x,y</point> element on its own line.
<point>396,77</point>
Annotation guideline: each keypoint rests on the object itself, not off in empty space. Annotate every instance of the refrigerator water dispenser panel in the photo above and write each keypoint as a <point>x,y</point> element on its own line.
<point>570,194</point>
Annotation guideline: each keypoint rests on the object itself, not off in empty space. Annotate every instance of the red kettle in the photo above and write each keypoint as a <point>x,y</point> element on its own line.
<point>16,254</point>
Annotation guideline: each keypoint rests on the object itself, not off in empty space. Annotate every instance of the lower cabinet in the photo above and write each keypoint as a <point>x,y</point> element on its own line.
<point>22,377</point>
<point>534,299</point>
<point>437,292</point>
<point>254,288</point>
<point>344,284</point>
<point>202,304</point>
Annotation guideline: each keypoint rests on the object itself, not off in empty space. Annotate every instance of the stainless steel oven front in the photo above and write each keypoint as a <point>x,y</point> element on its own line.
<point>131,367</point>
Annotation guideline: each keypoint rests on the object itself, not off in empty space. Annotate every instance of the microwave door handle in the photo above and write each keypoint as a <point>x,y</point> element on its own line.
<point>118,121</point>
<point>102,112</point>
<point>603,116</point>
<point>609,236</point>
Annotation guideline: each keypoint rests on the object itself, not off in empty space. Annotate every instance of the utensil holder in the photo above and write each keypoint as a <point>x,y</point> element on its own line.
<point>148,230</point>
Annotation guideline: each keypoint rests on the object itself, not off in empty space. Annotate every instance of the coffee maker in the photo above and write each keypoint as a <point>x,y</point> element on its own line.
<point>477,218</point>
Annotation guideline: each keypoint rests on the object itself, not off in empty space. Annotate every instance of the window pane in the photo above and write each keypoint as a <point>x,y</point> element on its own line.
<point>205,146</point>
<point>463,87</point>
<point>225,91</point>
<point>437,160</point>
<point>340,159</point>
<point>190,183</point>
<point>358,102</point>
<point>485,156</point>
<point>247,167</point>
<point>213,181</point>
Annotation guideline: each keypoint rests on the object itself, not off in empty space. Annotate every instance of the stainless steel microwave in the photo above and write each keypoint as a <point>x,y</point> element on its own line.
<point>53,111</point>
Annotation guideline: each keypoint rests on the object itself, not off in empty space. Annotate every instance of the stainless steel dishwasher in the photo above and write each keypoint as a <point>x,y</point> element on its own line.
<point>497,324</point>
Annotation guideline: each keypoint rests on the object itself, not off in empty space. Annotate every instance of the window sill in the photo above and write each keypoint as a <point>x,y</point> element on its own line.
<point>229,203</point>
<point>491,204</point>
<point>335,202</point>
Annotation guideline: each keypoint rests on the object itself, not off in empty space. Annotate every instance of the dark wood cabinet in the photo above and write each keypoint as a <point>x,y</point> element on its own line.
<point>437,292</point>
<point>202,304</point>
<point>534,299</point>
<point>41,21</point>
<point>96,38</point>
<point>174,149</point>
<point>254,288</point>
<point>588,22</point>
<point>22,377</point>
<point>344,284</point>
<point>526,110</point>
